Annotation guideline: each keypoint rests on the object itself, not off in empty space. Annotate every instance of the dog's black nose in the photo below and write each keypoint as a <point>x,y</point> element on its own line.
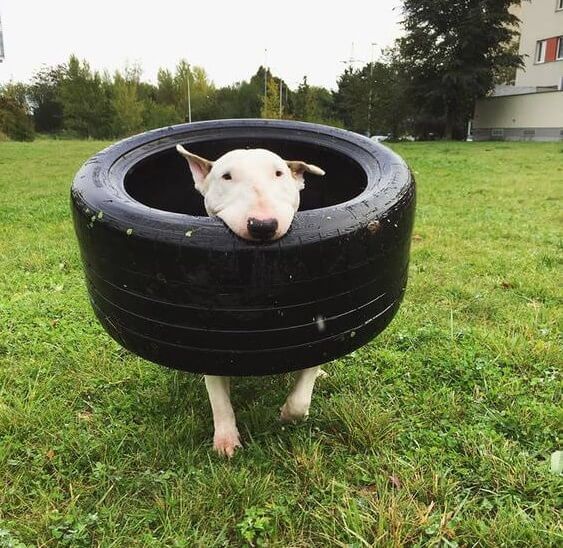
<point>262,229</point>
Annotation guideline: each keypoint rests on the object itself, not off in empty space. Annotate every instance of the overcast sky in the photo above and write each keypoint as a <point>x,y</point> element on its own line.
<point>228,38</point>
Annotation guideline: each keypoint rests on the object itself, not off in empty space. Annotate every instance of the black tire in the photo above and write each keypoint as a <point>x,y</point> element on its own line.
<point>179,289</point>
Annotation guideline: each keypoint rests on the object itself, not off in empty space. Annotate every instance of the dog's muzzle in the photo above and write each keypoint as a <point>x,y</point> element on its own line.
<point>262,229</point>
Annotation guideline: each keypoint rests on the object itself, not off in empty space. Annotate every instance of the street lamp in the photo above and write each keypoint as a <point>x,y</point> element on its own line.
<point>1,44</point>
<point>370,88</point>
<point>189,96</point>
<point>265,76</point>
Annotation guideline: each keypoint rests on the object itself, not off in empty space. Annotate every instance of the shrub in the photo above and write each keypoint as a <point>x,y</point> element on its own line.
<point>14,121</point>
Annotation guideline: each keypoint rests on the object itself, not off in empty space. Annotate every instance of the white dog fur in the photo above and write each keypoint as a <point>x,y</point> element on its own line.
<point>256,194</point>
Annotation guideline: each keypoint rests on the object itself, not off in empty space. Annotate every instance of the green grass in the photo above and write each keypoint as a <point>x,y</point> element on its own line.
<point>438,433</point>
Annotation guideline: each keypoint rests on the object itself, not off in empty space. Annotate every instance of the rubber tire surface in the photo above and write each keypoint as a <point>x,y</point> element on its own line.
<point>183,291</point>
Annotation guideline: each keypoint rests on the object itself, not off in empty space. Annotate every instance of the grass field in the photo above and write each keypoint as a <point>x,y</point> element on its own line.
<point>438,433</point>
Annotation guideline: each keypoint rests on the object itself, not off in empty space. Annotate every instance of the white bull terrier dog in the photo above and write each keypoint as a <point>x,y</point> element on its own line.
<point>256,194</point>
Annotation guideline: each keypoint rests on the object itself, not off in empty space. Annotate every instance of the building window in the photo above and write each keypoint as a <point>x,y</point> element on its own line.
<point>497,133</point>
<point>540,51</point>
<point>549,50</point>
<point>559,5</point>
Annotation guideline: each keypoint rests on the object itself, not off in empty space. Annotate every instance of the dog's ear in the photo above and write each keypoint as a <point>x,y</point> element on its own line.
<point>200,168</point>
<point>299,168</point>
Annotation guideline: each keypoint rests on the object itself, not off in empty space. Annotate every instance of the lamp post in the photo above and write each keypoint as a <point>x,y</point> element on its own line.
<point>370,89</point>
<point>189,96</point>
<point>1,43</point>
<point>265,76</point>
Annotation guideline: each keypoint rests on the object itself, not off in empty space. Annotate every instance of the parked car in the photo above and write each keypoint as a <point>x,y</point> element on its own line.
<point>379,138</point>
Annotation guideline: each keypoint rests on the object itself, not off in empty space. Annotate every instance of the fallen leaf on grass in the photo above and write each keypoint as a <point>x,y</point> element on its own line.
<point>370,489</point>
<point>427,511</point>
<point>85,416</point>
<point>395,482</point>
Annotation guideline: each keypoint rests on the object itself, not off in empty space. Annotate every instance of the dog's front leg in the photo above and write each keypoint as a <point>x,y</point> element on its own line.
<point>226,438</point>
<point>297,404</point>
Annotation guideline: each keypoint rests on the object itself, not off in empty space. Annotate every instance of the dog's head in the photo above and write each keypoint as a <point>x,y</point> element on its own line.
<point>255,192</point>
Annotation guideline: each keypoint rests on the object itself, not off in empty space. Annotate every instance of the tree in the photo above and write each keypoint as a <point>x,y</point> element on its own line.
<point>271,100</point>
<point>192,89</point>
<point>182,88</point>
<point>202,92</point>
<point>127,106</point>
<point>252,95</point>
<point>45,98</point>
<point>313,104</point>
<point>351,99</point>
<point>17,93</point>
<point>241,100</point>
<point>166,91</point>
<point>15,120</point>
<point>371,100</point>
<point>226,101</point>
<point>277,102</point>
<point>157,115</point>
<point>506,75</point>
<point>450,53</point>
<point>86,99</point>
<point>388,108</point>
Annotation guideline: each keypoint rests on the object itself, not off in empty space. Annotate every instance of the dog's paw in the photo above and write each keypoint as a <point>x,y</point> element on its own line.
<point>225,443</point>
<point>293,413</point>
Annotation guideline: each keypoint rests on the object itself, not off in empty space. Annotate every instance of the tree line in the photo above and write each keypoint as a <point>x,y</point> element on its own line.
<point>426,85</point>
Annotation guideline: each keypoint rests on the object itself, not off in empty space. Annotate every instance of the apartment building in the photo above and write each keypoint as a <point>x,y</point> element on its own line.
<point>532,109</point>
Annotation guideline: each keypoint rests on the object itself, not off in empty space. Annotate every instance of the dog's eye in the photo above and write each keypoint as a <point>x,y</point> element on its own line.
<point>279,173</point>
<point>227,176</point>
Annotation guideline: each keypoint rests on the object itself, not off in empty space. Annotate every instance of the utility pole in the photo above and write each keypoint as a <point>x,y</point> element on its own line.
<point>370,90</point>
<point>1,43</point>
<point>351,60</point>
<point>189,96</point>
<point>265,76</point>
<point>281,91</point>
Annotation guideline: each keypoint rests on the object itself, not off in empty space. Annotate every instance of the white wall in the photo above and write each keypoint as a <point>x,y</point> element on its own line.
<point>535,110</point>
